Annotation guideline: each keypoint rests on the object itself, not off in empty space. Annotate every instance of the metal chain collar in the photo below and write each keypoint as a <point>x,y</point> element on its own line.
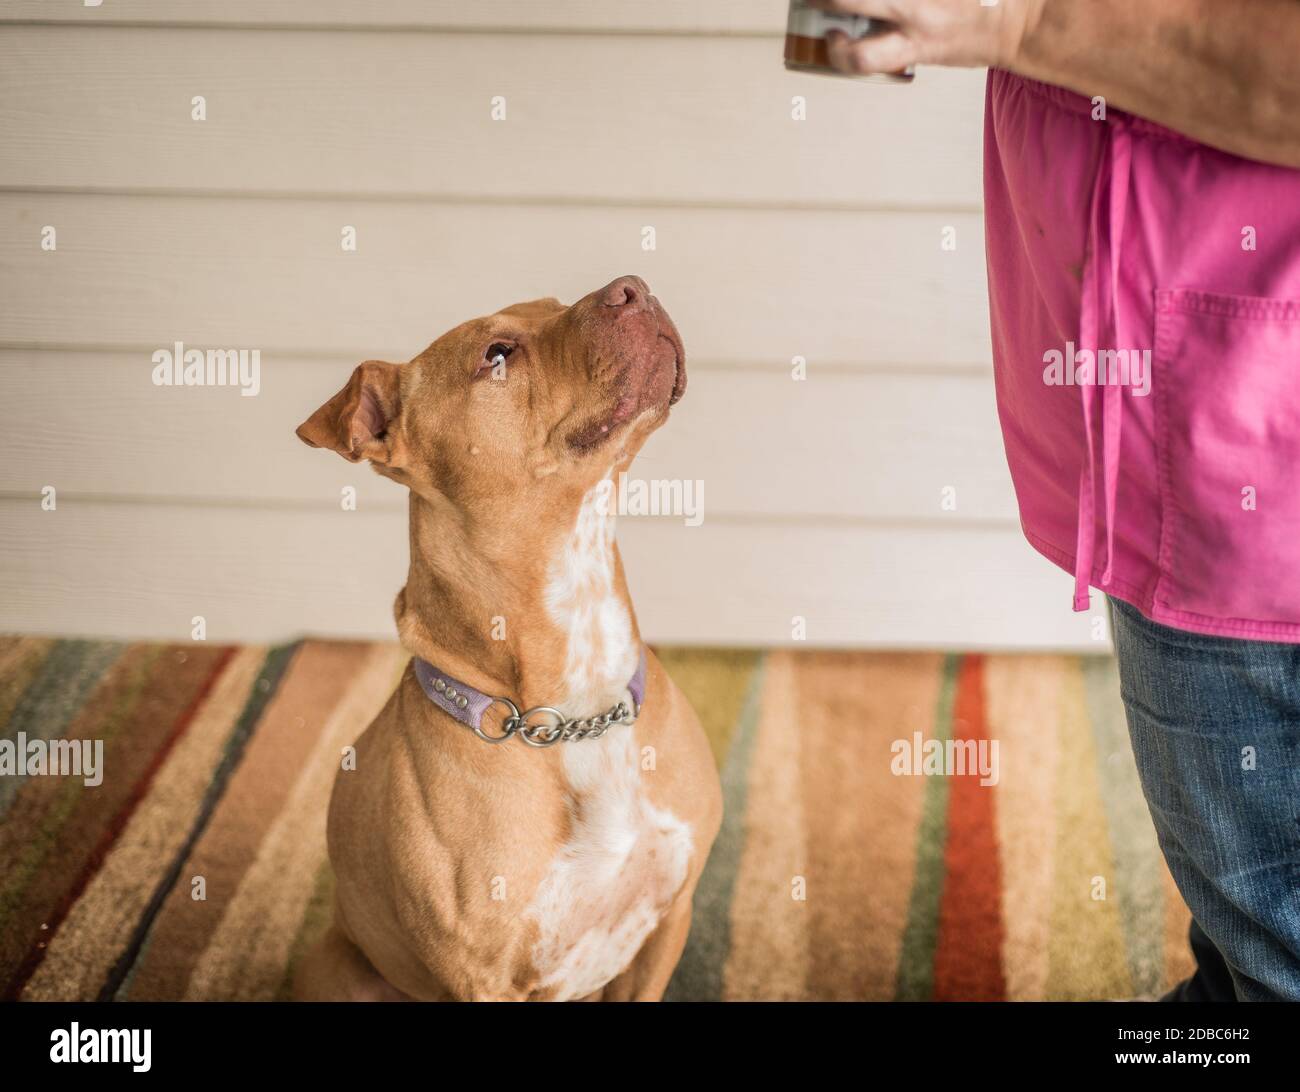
<point>467,705</point>
<point>564,729</point>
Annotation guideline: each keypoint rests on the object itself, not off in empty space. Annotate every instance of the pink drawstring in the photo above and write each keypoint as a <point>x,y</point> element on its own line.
<point>1113,404</point>
<point>1083,543</point>
<point>1115,164</point>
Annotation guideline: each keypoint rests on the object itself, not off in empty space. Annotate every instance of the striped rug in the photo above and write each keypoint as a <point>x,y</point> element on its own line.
<point>197,869</point>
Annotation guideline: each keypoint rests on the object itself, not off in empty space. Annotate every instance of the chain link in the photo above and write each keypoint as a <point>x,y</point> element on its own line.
<point>564,729</point>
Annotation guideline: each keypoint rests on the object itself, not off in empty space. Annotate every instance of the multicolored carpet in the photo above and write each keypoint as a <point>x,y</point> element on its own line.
<point>197,868</point>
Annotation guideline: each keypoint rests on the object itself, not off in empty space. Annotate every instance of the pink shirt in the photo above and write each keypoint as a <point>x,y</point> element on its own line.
<point>1145,304</point>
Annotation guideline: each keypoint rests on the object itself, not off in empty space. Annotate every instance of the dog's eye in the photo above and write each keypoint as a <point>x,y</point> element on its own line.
<point>497,352</point>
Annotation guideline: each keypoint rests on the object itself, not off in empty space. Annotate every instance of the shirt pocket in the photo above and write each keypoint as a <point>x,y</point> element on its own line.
<point>1226,378</point>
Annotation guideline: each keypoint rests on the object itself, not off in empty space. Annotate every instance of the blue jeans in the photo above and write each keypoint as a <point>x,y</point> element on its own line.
<point>1215,725</point>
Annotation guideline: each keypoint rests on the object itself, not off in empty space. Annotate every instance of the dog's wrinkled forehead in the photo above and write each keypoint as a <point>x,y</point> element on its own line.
<point>521,320</point>
<point>530,318</point>
<point>538,311</point>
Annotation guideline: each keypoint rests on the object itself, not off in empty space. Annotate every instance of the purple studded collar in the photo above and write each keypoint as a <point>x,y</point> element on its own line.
<point>468,705</point>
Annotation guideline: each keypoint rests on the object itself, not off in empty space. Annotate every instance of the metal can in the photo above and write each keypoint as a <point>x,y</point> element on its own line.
<point>805,41</point>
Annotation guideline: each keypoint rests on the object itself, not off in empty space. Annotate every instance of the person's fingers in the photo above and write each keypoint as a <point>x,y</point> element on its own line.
<point>888,52</point>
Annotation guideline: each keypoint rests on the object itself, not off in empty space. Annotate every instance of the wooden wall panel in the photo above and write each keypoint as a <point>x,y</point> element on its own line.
<point>604,16</point>
<point>102,428</point>
<point>587,118</point>
<point>745,287</point>
<point>774,239</point>
<point>103,569</point>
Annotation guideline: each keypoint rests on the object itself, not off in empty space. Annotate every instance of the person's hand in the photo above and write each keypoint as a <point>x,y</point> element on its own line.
<point>970,33</point>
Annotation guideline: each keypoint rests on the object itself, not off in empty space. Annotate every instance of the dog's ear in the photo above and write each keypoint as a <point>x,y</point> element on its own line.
<point>355,421</point>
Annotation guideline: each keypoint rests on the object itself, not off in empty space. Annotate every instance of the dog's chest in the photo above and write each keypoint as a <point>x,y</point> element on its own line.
<point>610,882</point>
<point>623,859</point>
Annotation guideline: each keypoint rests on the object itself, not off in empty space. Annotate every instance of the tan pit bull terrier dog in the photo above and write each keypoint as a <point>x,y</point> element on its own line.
<point>560,862</point>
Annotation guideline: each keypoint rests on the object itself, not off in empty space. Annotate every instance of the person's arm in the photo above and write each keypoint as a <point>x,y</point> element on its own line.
<point>1224,73</point>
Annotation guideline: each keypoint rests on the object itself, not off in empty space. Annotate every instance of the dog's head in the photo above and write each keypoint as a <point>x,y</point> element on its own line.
<point>536,391</point>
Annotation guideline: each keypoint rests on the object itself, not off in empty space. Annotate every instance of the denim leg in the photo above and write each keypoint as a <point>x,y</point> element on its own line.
<point>1215,726</point>
<point>1212,980</point>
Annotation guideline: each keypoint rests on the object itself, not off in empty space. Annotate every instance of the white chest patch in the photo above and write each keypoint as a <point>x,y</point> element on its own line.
<point>614,877</point>
<point>624,859</point>
<point>601,653</point>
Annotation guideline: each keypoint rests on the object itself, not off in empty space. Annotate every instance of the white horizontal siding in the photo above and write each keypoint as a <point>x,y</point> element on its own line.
<point>103,569</point>
<point>588,118</point>
<point>104,429</point>
<point>775,239</point>
<point>745,286</point>
<point>605,16</point>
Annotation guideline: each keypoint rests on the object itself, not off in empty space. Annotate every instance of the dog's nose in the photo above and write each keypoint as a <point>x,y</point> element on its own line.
<point>630,292</point>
